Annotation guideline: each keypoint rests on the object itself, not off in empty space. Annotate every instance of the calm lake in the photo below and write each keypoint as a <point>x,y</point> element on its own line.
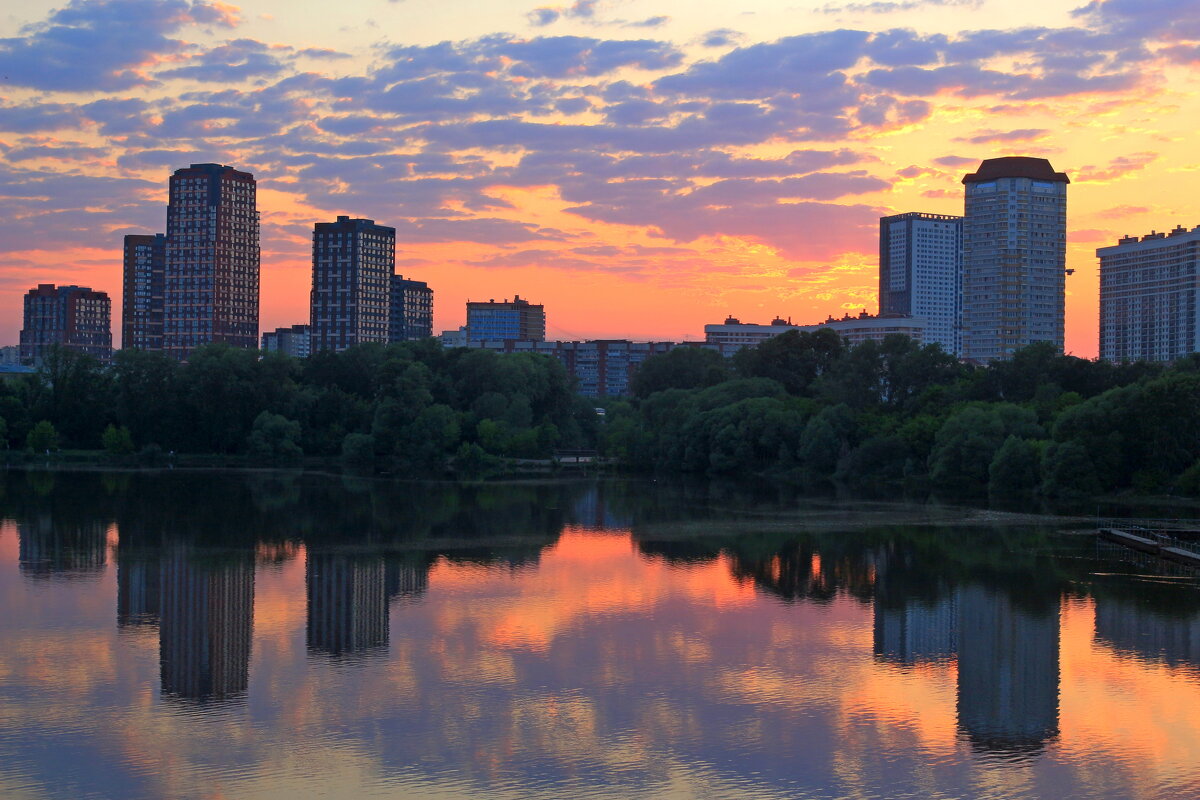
<point>275,635</point>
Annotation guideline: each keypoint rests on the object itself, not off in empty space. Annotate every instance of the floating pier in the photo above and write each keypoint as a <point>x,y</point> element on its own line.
<point>1153,542</point>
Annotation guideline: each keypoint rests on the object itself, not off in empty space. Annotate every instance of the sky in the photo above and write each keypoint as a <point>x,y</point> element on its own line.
<point>641,167</point>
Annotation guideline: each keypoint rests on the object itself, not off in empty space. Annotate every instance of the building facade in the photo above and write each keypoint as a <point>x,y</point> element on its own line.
<point>145,267</point>
<point>920,273</point>
<point>1148,296</point>
<point>1014,257</point>
<point>353,262</point>
<point>212,260</point>
<point>601,368</point>
<point>412,310</point>
<point>293,341</point>
<point>517,320</point>
<point>74,317</point>
<point>732,335</point>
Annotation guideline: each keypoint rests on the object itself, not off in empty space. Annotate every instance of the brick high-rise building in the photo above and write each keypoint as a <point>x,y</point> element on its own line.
<point>412,310</point>
<point>353,263</point>
<point>212,259</point>
<point>74,317</point>
<point>144,286</point>
<point>1014,257</point>
<point>518,320</point>
<point>920,274</point>
<point>1149,296</point>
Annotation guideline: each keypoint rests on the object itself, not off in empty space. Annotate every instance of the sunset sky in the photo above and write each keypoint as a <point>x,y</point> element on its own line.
<point>641,167</point>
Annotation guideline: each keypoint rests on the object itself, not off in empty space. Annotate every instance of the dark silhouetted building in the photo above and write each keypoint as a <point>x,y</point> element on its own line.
<point>295,341</point>
<point>1148,296</point>
<point>139,585</point>
<point>145,268</point>
<point>1148,634</point>
<point>212,264</point>
<point>353,262</point>
<point>59,550</point>
<point>1007,672</point>
<point>206,626</point>
<point>916,632</point>
<point>347,603</point>
<point>601,368</point>
<point>732,334</point>
<point>517,320</point>
<point>1014,257</point>
<point>74,317</point>
<point>920,274</point>
<point>412,310</point>
<point>406,578</point>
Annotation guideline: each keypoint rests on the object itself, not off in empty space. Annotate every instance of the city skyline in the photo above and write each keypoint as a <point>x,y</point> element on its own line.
<point>716,160</point>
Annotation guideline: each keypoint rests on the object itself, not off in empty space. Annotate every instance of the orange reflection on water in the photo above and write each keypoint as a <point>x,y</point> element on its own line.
<point>584,573</point>
<point>1145,714</point>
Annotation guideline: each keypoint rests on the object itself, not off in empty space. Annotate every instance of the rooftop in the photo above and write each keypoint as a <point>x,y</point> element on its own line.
<point>1016,167</point>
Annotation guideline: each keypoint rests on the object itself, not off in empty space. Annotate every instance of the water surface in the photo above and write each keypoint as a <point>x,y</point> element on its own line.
<point>269,635</point>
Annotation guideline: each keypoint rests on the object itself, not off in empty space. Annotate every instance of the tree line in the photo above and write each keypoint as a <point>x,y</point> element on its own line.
<point>412,406</point>
<point>890,413</point>
<point>802,406</point>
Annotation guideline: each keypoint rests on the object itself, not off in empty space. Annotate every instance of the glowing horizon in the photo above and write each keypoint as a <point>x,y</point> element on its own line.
<point>640,167</point>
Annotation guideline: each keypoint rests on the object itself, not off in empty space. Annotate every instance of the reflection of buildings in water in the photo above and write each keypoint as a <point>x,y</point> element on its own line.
<point>139,589</point>
<point>1007,672</point>
<point>347,603</point>
<point>917,632</point>
<point>206,625</point>
<point>47,549</point>
<point>1133,630</point>
<point>405,579</point>
<point>590,510</point>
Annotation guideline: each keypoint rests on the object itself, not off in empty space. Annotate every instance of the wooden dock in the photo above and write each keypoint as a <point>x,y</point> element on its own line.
<point>1151,542</point>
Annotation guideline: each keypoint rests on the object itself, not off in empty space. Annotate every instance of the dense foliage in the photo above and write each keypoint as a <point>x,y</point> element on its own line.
<point>890,413</point>
<point>413,406</point>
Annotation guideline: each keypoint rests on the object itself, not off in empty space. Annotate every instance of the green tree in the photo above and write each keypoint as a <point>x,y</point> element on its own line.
<point>3,434</point>
<point>967,442</point>
<point>358,449</point>
<point>795,358</point>
<point>42,437</point>
<point>117,441</point>
<point>1068,472</point>
<point>274,436</point>
<point>681,368</point>
<point>1188,483</point>
<point>1016,468</point>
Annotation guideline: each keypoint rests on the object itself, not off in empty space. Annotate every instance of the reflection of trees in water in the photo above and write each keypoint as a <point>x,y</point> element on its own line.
<point>801,572</point>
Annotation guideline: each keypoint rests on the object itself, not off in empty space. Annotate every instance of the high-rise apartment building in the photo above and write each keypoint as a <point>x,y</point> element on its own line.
<point>1149,289</point>
<point>74,317</point>
<point>353,263</point>
<point>145,266</point>
<point>920,274</point>
<point>212,259</point>
<point>412,310</point>
<point>1014,256</point>
<point>518,320</point>
<point>294,341</point>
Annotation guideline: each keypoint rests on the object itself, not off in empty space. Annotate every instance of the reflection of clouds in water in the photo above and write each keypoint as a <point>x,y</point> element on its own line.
<point>603,666</point>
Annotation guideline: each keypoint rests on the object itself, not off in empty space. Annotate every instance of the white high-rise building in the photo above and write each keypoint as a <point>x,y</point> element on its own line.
<point>920,273</point>
<point>1149,293</point>
<point>1014,257</point>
